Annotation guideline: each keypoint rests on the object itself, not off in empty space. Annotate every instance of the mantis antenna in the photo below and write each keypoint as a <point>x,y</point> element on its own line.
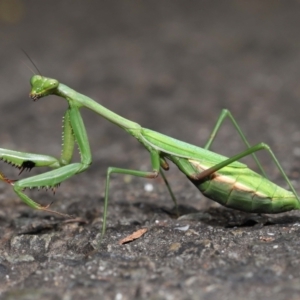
<point>32,63</point>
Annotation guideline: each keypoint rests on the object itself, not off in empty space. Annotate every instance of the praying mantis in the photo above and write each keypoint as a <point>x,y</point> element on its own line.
<point>222,179</point>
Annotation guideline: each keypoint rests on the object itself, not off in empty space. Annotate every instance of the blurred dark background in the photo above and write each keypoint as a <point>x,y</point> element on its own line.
<point>170,65</point>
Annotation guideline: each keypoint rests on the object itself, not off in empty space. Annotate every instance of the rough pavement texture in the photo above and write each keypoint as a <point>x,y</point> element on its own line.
<point>170,66</point>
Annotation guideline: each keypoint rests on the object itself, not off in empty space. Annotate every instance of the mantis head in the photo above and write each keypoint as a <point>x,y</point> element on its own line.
<point>42,86</point>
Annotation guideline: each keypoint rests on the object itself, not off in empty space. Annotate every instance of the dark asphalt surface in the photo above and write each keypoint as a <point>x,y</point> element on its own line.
<point>170,66</point>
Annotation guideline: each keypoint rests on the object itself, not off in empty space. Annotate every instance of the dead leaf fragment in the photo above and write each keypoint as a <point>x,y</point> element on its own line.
<point>137,234</point>
<point>266,239</point>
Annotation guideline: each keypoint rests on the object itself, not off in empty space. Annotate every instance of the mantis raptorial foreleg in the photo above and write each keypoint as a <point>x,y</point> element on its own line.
<point>73,130</point>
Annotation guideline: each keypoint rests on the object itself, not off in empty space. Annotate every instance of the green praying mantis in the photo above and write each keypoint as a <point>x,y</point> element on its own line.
<point>222,179</point>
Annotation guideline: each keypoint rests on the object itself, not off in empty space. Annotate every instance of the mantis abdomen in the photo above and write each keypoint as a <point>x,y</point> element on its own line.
<point>245,190</point>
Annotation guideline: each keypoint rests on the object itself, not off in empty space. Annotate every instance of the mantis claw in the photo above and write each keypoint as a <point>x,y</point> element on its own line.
<point>46,208</point>
<point>27,166</point>
<point>5,179</point>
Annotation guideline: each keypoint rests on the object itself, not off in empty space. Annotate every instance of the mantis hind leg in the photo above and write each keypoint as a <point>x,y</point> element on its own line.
<point>225,113</point>
<point>250,151</point>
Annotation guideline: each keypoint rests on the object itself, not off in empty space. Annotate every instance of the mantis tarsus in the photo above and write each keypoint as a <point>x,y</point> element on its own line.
<point>221,179</point>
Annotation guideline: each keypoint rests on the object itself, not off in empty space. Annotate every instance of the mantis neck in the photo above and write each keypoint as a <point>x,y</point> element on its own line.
<point>84,101</point>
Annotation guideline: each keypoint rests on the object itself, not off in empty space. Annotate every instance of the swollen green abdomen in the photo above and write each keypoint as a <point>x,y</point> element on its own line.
<point>245,190</point>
